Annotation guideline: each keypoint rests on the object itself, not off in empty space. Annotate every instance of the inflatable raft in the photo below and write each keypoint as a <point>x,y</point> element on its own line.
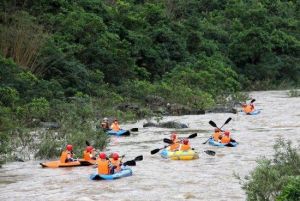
<point>121,132</point>
<point>179,155</point>
<point>125,172</point>
<point>218,144</point>
<point>255,112</point>
<point>58,164</point>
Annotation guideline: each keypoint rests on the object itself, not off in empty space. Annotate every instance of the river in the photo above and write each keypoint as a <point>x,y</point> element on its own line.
<point>208,178</point>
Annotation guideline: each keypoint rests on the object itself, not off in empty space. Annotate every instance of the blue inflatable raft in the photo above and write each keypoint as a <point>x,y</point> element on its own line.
<point>255,112</point>
<point>218,144</point>
<point>125,172</point>
<point>121,132</point>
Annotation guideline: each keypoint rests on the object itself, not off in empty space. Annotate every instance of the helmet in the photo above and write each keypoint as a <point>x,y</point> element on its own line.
<point>185,141</point>
<point>69,147</point>
<point>217,130</point>
<point>173,136</point>
<point>89,148</point>
<point>105,119</point>
<point>244,105</point>
<point>115,156</point>
<point>227,133</point>
<point>102,155</point>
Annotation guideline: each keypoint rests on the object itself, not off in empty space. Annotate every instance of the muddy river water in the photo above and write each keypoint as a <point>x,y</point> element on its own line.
<point>210,178</point>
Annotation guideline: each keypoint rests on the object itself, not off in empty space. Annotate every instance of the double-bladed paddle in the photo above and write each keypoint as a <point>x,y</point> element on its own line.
<point>213,124</point>
<point>133,162</point>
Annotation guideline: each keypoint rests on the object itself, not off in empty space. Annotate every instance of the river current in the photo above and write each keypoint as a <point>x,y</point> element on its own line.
<point>210,178</point>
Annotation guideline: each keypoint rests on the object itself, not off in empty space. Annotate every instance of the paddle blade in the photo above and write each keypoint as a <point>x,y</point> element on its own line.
<point>154,151</point>
<point>192,135</point>
<point>213,124</point>
<point>139,158</point>
<point>166,140</point>
<point>134,129</point>
<point>252,101</point>
<point>228,120</point>
<point>206,141</point>
<point>87,143</point>
<point>210,152</point>
<point>130,163</point>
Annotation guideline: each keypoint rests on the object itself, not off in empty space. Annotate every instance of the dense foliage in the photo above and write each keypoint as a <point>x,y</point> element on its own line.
<point>276,178</point>
<point>112,51</point>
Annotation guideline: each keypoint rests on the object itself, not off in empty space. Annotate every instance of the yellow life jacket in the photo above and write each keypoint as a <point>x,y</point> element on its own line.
<point>103,166</point>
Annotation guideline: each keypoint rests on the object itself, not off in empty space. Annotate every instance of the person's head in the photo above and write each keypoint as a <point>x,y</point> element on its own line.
<point>102,155</point>
<point>69,147</point>
<point>105,119</point>
<point>115,120</point>
<point>217,130</point>
<point>185,141</point>
<point>89,149</point>
<point>173,136</point>
<point>244,105</point>
<point>227,133</point>
<point>115,156</point>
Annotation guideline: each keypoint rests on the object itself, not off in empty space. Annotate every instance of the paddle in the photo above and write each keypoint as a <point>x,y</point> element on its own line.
<point>133,162</point>
<point>252,101</point>
<point>134,129</point>
<point>213,124</point>
<point>166,140</point>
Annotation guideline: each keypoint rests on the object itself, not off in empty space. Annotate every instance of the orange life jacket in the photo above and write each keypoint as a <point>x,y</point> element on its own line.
<point>184,147</point>
<point>115,126</point>
<point>103,166</point>
<point>217,136</point>
<point>64,156</point>
<point>225,139</point>
<point>116,163</point>
<point>174,146</point>
<point>87,155</point>
<point>248,108</point>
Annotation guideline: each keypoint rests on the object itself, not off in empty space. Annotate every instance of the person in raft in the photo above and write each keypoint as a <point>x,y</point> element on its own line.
<point>116,162</point>
<point>105,124</point>
<point>67,155</point>
<point>248,108</point>
<point>185,146</point>
<point>217,136</point>
<point>226,138</point>
<point>175,145</point>
<point>104,165</point>
<point>115,125</point>
<point>88,153</point>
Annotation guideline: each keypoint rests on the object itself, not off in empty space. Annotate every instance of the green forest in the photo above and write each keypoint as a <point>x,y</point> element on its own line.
<point>74,61</point>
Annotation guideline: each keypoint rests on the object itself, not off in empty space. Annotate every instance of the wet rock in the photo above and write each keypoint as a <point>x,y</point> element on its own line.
<point>172,124</point>
<point>223,109</point>
<point>150,124</point>
<point>168,124</point>
<point>50,125</point>
<point>128,106</point>
<point>178,109</point>
<point>155,100</point>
